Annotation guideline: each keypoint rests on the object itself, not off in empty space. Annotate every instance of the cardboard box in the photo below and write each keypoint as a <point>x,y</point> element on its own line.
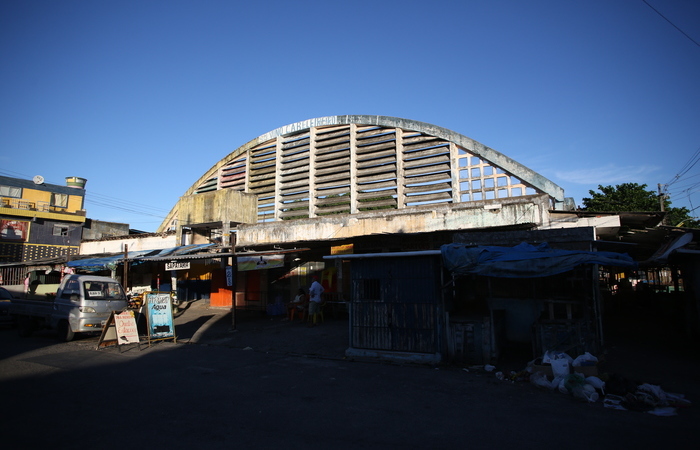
<point>586,371</point>
<point>545,369</point>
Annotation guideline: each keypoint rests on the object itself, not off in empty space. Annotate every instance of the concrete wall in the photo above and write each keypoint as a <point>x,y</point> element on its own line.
<point>217,207</point>
<point>97,229</point>
<point>135,243</point>
<point>522,210</point>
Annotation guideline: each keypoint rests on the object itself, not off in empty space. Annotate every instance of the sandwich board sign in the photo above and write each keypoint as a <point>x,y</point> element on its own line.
<point>160,317</point>
<point>119,329</point>
<point>127,333</point>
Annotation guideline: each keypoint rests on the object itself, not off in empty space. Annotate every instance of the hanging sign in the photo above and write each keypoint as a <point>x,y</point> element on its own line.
<point>229,275</point>
<point>177,265</point>
<point>260,262</point>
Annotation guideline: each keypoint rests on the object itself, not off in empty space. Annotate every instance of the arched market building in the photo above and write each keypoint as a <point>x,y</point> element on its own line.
<point>372,184</point>
<point>433,246</point>
<point>366,203</point>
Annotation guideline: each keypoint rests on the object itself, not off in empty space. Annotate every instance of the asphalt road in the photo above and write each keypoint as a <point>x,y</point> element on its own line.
<point>70,395</point>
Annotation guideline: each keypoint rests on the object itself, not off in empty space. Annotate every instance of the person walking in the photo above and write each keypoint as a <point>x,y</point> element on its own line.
<point>315,292</point>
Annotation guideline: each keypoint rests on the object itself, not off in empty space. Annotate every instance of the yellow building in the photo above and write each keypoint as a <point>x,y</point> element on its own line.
<point>40,220</point>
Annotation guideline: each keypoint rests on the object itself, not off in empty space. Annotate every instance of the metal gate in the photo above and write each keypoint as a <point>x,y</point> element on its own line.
<point>395,304</point>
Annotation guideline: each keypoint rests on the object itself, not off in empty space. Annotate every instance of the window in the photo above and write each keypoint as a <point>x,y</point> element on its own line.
<point>60,230</point>
<point>59,200</point>
<point>9,191</point>
<point>72,288</point>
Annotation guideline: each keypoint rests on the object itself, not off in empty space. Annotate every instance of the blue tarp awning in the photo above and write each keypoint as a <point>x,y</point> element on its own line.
<point>524,260</point>
<point>135,257</point>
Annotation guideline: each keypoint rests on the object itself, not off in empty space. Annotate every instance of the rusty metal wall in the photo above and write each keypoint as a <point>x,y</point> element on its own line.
<point>395,304</point>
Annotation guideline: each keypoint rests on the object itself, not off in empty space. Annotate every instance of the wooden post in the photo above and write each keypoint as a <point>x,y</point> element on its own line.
<point>125,281</point>
<point>234,269</point>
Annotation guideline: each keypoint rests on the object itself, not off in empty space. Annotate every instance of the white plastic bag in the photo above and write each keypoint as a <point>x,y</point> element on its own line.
<point>597,383</point>
<point>540,379</point>
<point>550,356</point>
<point>560,367</point>
<point>585,360</point>
<point>560,362</point>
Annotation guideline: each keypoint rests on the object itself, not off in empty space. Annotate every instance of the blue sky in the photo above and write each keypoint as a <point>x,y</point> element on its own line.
<point>142,97</point>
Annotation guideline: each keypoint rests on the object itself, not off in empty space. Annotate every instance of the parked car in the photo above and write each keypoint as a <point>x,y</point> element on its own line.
<point>82,304</point>
<point>5,300</point>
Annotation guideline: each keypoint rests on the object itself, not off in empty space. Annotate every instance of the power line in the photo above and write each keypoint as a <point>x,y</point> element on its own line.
<point>94,198</point>
<point>689,165</point>
<point>124,203</point>
<point>135,211</point>
<point>673,24</point>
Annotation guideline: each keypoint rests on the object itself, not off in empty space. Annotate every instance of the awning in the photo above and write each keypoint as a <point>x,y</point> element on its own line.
<point>104,262</point>
<point>524,260</point>
<point>178,253</point>
<point>110,262</point>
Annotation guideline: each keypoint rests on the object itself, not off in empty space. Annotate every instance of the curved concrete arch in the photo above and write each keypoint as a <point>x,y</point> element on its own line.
<point>424,155</point>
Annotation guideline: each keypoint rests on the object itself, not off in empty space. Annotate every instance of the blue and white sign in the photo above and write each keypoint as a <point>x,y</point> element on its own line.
<point>160,316</point>
<point>229,275</point>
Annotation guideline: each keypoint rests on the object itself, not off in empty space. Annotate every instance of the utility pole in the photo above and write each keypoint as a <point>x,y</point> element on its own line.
<point>662,198</point>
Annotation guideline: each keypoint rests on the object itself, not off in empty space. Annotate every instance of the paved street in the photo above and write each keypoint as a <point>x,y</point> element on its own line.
<point>223,389</point>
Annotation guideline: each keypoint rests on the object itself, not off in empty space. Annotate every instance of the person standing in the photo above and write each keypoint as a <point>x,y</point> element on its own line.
<point>315,292</point>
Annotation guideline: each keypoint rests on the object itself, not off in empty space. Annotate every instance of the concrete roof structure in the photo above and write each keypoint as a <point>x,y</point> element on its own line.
<point>359,174</point>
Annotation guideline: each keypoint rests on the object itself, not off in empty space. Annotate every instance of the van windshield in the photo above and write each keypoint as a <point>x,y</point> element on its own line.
<point>101,290</point>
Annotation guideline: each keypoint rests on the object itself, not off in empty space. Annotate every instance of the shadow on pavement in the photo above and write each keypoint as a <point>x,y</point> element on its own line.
<point>256,331</point>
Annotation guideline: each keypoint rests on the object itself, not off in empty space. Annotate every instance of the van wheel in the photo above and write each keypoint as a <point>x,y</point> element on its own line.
<point>65,334</point>
<point>25,326</point>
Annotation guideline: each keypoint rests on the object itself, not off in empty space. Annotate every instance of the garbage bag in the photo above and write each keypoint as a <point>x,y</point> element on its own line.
<point>560,362</point>
<point>597,383</point>
<point>560,367</point>
<point>550,356</point>
<point>574,380</point>
<point>540,379</point>
<point>585,360</point>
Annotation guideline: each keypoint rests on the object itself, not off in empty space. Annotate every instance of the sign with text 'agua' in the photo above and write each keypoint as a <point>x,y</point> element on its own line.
<point>160,316</point>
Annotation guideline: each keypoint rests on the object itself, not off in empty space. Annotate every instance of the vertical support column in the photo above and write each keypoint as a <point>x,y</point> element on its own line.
<point>354,203</point>
<point>312,172</point>
<point>246,182</point>
<point>178,234</point>
<point>278,179</point>
<point>454,173</point>
<point>400,172</point>
<point>225,232</point>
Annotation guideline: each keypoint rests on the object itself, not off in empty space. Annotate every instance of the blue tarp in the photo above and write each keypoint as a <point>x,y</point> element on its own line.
<point>112,261</point>
<point>524,260</point>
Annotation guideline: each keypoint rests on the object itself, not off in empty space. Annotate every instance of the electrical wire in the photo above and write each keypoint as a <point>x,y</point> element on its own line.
<point>689,165</point>
<point>673,24</point>
<point>105,201</point>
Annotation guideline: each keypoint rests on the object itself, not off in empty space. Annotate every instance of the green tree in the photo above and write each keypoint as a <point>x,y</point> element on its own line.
<point>633,197</point>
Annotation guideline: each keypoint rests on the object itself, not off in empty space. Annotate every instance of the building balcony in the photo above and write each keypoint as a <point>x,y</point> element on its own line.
<point>23,207</point>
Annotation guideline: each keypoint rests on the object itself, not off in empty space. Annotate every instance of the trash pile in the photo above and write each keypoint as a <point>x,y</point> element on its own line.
<point>579,377</point>
<point>582,383</point>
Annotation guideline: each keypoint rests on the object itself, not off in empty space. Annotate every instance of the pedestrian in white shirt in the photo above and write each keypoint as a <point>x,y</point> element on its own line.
<point>315,292</point>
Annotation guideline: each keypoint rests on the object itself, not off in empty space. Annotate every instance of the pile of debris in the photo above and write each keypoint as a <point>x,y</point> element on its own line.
<point>579,377</point>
